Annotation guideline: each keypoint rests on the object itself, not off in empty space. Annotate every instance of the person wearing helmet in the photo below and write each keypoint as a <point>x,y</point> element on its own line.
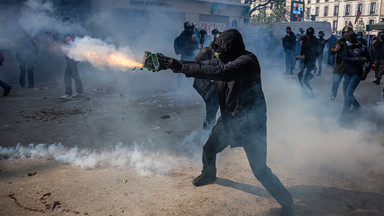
<point>338,69</point>
<point>243,111</point>
<point>321,46</point>
<point>186,45</point>
<point>355,56</point>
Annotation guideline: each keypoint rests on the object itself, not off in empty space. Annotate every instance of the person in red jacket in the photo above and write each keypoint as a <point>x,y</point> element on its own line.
<point>7,88</point>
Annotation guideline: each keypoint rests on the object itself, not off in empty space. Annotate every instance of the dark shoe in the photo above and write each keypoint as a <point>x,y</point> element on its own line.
<point>204,179</point>
<point>377,81</point>
<point>355,109</point>
<point>7,90</point>
<point>286,211</point>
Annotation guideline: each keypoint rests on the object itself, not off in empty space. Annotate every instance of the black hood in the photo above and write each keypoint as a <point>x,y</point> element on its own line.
<point>230,43</point>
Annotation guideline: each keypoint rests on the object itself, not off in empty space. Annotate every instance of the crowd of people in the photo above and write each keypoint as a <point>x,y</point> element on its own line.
<point>350,56</point>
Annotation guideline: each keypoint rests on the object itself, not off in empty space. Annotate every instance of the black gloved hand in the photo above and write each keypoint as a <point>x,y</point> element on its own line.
<point>164,61</point>
<point>362,59</point>
<point>169,63</point>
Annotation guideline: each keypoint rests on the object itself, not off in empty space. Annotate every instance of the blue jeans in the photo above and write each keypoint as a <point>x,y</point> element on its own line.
<point>349,86</point>
<point>335,84</point>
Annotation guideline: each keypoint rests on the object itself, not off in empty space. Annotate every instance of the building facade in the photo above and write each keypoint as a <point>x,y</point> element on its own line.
<point>344,12</point>
<point>206,14</point>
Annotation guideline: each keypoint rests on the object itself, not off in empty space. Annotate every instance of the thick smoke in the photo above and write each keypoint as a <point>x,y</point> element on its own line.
<point>300,132</point>
<point>101,54</point>
<point>142,161</point>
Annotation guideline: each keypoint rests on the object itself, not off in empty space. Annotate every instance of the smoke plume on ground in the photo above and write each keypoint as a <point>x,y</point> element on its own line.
<point>143,162</point>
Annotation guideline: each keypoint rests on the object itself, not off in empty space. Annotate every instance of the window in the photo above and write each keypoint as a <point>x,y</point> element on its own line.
<point>326,0</point>
<point>373,8</point>
<point>317,11</point>
<point>334,27</point>
<point>308,12</point>
<point>359,8</point>
<point>317,1</point>
<point>326,11</point>
<point>347,10</point>
<point>336,11</point>
<point>371,22</point>
<point>309,2</point>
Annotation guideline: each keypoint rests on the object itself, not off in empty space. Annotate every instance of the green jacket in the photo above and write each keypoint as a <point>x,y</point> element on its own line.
<point>339,64</point>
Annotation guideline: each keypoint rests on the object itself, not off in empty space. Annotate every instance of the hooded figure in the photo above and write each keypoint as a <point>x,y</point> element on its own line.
<point>243,111</point>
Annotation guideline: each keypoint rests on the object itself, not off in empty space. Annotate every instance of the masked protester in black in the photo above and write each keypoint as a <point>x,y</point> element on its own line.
<point>243,111</point>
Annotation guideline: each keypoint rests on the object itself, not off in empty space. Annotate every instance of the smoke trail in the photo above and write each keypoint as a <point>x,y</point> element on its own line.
<point>101,54</point>
<point>143,162</point>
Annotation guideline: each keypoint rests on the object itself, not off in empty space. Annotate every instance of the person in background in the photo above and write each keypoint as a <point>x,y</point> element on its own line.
<point>355,56</point>
<point>305,75</point>
<point>26,55</point>
<point>186,45</point>
<point>338,69</point>
<point>330,44</point>
<point>71,71</point>
<point>377,49</point>
<point>6,88</point>
<point>243,111</point>
<point>207,88</point>
<point>361,39</point>
<point>321,46</point>
<point>289,45</point>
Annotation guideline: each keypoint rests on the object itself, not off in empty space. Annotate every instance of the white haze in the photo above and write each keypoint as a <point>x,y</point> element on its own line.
<point>300,132</point>
<point>94,51</point>
<point>135,157</point>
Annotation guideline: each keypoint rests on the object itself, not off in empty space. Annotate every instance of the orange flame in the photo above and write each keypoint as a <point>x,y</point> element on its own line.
<point>113,60</point>
<point>122,61</point>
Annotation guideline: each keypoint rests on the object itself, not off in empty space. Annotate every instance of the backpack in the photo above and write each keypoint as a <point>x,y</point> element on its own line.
<point>177,45</point>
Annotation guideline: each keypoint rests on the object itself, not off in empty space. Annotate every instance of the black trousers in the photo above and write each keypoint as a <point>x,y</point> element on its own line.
<point>29,68</point>
<point>255,147</point>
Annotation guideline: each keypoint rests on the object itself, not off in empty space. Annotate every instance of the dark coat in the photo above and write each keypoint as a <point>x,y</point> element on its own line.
<point>289,42</point>
<point>186,46</point>
<point>351,55</point>
<point>205,87</point>
<point>241,98</point>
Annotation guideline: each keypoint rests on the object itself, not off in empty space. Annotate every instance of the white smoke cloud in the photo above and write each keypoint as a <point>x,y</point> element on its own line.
<point>306,132</point>
<point>101,54</point>
<point>142,161</point>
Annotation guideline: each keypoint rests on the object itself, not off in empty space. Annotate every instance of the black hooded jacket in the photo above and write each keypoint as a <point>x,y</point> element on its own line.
<point>240,92</point>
